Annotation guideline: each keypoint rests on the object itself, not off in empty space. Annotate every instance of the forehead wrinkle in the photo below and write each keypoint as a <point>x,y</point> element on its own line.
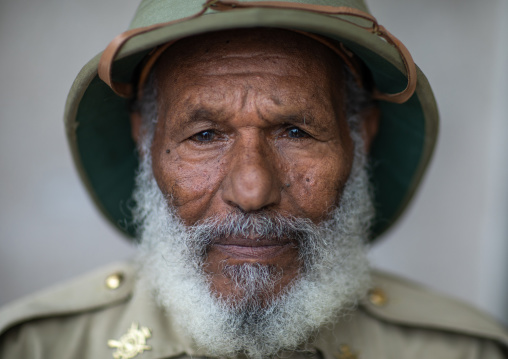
<point>203,50</point>
<point>235,64</point>
<point>207,57</point>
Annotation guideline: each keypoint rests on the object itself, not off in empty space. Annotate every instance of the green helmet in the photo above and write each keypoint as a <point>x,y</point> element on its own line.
<point>97,116</point>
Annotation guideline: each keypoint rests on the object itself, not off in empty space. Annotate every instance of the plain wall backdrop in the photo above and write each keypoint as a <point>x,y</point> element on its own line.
<point>453,238</point>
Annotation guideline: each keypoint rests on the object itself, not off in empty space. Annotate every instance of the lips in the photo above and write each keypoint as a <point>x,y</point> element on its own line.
<point>253,249</point>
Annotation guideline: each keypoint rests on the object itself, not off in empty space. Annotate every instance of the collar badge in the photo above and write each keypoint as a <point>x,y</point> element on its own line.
<point>132,343</point>
<point>346,353</point>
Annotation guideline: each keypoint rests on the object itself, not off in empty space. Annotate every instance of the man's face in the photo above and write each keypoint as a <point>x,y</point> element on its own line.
<point>251,122</point>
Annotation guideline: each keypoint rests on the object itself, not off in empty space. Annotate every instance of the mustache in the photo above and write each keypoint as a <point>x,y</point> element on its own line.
<point>266,225</point>
<point>262,226</point>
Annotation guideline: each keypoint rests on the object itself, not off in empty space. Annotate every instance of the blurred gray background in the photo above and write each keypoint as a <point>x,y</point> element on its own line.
<point>454,237</point>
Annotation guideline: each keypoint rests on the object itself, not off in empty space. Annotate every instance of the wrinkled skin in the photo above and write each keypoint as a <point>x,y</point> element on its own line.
<point>251,120</point>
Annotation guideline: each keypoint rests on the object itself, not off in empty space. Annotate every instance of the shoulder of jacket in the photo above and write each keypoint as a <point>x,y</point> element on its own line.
<point>101,288</point>
<point>403,302</point>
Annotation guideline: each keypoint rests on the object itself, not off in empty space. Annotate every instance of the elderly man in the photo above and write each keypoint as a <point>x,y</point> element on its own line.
<point>274,141</point>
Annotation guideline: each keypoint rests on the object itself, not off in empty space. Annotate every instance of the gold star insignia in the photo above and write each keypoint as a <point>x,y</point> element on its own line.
<point>345,353</point>
<point>132,343</point>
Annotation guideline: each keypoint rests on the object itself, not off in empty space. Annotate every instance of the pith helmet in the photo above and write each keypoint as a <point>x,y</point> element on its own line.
<point>97,117</point>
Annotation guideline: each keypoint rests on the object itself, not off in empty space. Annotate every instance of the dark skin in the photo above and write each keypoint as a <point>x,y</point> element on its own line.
<point>252,120</point>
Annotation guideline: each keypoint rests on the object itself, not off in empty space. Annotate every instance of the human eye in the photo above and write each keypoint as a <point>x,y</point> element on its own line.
<point>297,133</point>
<point>204,136</point>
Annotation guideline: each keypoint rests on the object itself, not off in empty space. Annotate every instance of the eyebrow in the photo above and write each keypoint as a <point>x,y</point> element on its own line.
<point>300,118</point>
<point>200,114</point>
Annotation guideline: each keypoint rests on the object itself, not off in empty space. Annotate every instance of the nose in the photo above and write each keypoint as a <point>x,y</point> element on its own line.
<point>252,182</point>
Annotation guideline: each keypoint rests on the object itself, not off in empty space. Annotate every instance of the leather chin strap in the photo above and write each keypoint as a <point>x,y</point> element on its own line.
<point>127,89</point>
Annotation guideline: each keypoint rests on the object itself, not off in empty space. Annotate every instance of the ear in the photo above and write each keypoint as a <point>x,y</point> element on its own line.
<point>370,125</point>
<point>136,120</point>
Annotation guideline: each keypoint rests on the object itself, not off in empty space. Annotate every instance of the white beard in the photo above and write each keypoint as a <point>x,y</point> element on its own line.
<point>335,274</point>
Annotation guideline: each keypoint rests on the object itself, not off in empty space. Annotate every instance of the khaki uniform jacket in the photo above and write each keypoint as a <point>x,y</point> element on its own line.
<point>105,315</point>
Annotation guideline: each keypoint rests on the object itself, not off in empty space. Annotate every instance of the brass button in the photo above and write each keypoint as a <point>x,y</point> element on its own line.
<point>114,280</point>
<point>377,297</point>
